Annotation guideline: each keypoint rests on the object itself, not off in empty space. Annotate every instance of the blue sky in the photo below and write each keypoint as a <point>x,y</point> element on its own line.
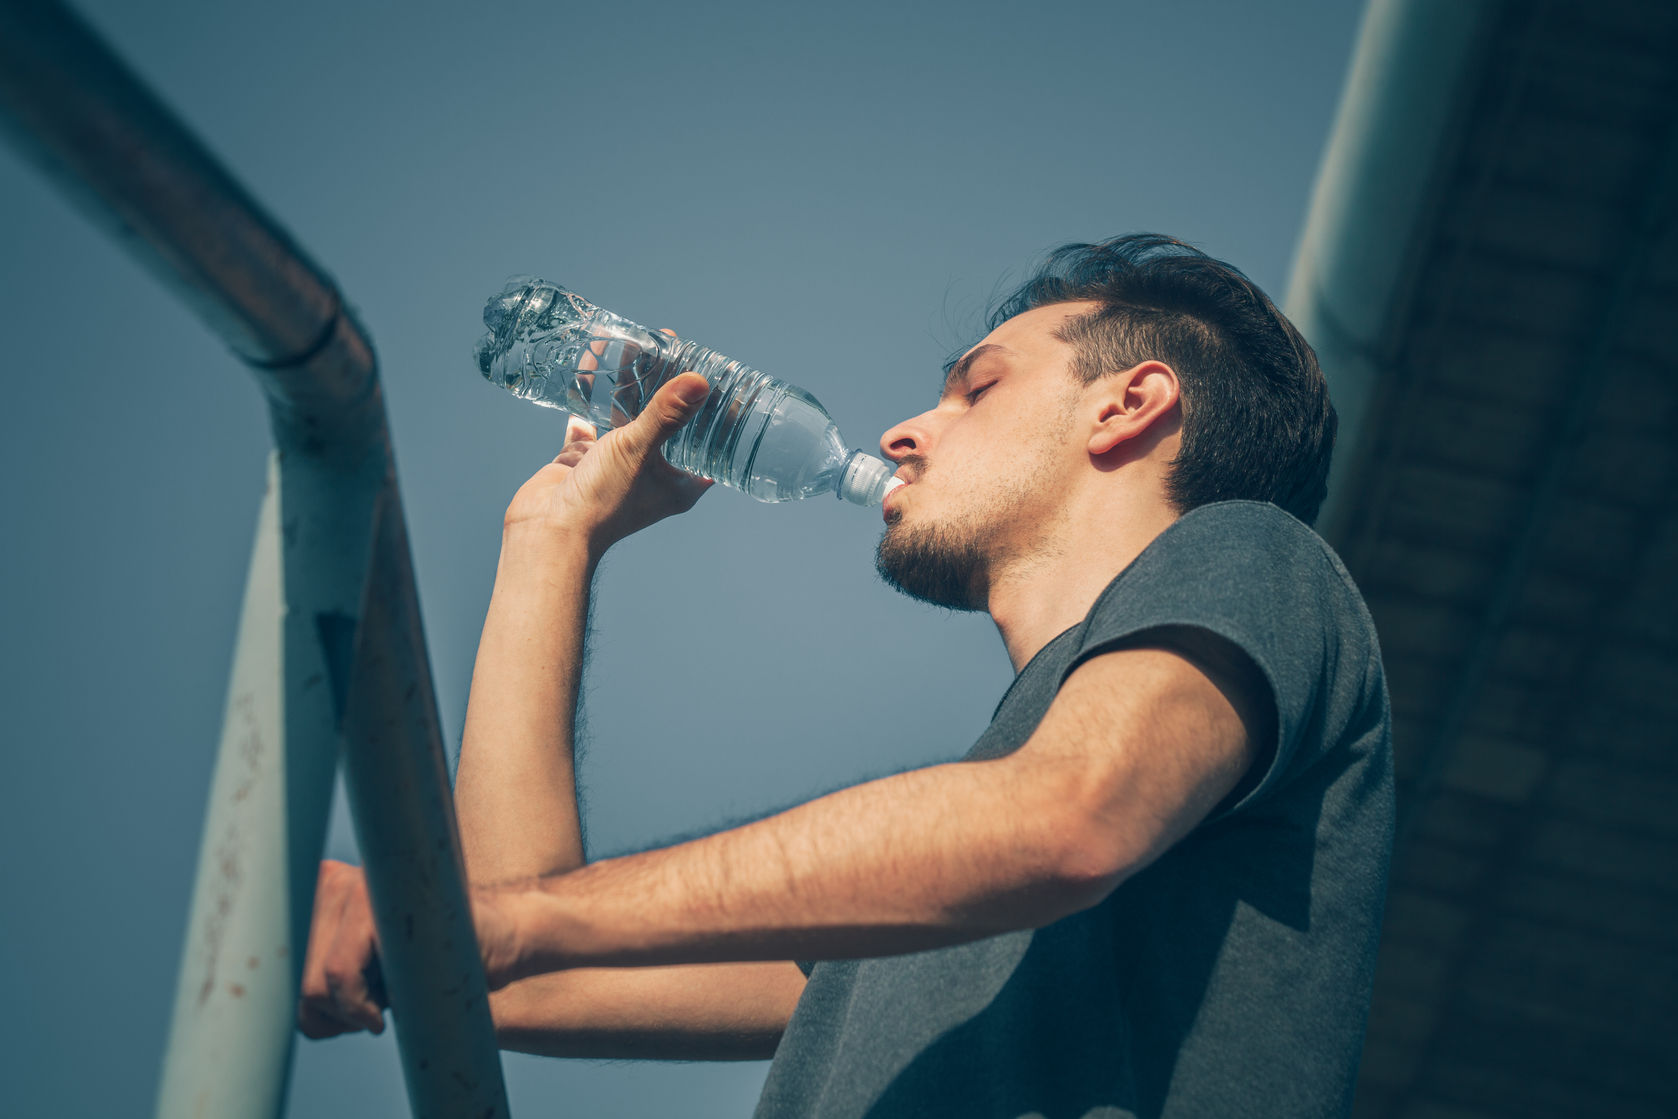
<point>830,193</point>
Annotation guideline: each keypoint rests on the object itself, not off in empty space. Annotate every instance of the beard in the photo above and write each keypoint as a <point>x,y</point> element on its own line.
<point>935,565</point>
<point>952,564</point>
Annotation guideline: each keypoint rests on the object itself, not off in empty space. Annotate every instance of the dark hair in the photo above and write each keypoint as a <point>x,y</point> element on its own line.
<point>1257,422</point>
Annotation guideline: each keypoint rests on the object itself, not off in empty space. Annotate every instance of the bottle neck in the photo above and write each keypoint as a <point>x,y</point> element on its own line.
<point>865,480</point>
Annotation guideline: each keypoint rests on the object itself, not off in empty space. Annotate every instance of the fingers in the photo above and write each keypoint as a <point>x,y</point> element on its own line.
<point>316,1015</point>
<point>578,429</point>
<point>579,438</point>
<point>693,390</point>
<point>317,1026</point>
<point>671,406</point>
<point>347,984</point>
<point>341,990</point>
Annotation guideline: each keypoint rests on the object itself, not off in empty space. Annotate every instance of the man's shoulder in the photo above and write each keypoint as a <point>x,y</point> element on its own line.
<point>1233,546</point>
<point>1254,524</point>
<point>1250,574</point>
<point>1246,579</point>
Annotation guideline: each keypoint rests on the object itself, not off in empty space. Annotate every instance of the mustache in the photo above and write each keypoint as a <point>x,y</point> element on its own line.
<point>914,465</point>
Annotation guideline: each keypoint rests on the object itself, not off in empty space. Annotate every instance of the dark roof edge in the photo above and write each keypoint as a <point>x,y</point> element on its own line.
<point>1372,203</point>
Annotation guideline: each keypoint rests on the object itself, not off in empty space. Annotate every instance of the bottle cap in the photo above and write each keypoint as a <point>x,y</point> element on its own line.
<point>864,479</point>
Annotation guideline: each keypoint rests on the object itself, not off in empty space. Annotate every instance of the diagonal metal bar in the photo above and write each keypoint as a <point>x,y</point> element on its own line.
<point>330,646</point>
<point>119,152</point>
<point>398,786</point>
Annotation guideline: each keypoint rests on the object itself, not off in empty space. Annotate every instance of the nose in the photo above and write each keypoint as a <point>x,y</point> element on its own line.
<point>911,437</point>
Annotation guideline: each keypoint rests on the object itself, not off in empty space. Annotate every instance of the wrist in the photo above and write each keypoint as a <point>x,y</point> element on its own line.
<point>546,544</point>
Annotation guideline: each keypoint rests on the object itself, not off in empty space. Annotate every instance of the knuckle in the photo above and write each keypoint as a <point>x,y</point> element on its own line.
<point>339,982</point>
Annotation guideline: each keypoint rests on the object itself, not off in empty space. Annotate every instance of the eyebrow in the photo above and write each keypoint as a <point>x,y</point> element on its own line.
<point>958,372</point>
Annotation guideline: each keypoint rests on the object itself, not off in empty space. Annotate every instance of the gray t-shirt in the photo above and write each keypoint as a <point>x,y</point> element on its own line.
<point>1229,978</point>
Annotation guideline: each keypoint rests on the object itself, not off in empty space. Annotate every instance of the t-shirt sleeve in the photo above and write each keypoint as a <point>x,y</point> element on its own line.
<point>1243,579</point>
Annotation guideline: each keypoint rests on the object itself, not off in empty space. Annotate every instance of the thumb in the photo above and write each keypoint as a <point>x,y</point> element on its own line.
<point>671,406</point>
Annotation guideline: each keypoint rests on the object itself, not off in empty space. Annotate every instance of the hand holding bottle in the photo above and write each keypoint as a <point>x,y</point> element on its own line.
<point>756,433</point>
<point>600,490</point>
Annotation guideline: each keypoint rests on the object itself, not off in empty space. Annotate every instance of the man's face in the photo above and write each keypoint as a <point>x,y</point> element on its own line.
<point>986,466</point>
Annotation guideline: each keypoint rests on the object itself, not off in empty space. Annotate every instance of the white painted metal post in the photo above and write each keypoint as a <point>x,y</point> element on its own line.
<point>329,642</point>
<point>235,1004</point>
<point>237,970</point>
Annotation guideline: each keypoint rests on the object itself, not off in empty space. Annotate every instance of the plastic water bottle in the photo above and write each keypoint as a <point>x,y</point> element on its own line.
<point>754,432</point>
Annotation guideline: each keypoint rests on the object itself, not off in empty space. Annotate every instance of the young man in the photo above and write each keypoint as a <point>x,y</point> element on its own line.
<point>1152,887</point>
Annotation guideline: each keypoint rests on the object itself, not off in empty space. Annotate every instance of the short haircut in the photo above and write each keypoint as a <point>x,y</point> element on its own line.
<point>1257,421</point>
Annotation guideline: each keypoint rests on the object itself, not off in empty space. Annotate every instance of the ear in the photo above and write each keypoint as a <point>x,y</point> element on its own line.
<point>1132,401</point>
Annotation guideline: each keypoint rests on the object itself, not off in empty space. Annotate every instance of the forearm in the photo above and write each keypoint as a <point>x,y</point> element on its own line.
<point>923,859</point>
<point>702,1012</point>
<point>515,790</point>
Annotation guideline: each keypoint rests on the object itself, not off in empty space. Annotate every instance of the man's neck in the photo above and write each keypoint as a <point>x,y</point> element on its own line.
<point>1038,596</point>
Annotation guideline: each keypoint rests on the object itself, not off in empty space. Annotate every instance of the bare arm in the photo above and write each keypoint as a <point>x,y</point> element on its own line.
<point>1137,748</point>
<point>515,791</point>
<point>694,1012</point>
<point>516,798</point>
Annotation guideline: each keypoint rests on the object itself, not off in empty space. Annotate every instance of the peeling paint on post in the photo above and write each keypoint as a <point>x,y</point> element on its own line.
<point>234,1023</point>
<point>241,904</point>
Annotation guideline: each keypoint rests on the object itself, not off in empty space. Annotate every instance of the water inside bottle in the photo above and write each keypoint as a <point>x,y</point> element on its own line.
<point>754,432</point>
<point>555,348</point>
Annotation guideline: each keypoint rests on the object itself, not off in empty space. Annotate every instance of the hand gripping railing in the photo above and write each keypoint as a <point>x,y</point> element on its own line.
<point>330,646</point>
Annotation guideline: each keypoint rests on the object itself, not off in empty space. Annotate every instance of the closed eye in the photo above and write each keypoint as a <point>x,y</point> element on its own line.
<point>973,395</point>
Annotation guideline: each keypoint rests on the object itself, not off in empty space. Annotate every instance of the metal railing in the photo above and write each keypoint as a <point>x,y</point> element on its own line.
<point>330,647</point>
